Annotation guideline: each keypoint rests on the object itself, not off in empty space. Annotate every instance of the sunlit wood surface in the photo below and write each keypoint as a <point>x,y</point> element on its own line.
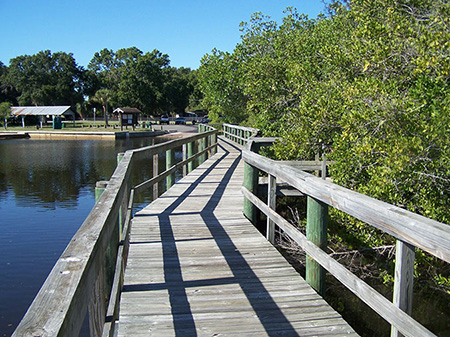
<point>197,266</point>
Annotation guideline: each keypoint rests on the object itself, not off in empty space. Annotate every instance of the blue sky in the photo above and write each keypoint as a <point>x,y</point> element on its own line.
<point>185,30</point>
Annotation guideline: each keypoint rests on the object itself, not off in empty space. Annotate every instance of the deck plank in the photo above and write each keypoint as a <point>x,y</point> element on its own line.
<point>197,266</point>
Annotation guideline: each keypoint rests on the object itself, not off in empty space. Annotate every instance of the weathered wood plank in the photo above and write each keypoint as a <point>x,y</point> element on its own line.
<point>198,267</point>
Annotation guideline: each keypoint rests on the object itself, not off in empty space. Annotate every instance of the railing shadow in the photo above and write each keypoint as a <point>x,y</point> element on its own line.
<point>183,320</point>
<point>243,273</point>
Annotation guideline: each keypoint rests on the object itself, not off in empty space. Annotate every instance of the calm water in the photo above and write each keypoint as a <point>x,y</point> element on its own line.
<point>46,191</point>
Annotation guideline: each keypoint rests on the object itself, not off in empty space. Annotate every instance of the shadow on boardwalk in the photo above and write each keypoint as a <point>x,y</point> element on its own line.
<point>208,282</point>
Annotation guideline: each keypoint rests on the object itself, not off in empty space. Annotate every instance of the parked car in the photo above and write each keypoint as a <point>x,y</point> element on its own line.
<point>180,120</point>
<point>164,119</point>
<point>205,120</point>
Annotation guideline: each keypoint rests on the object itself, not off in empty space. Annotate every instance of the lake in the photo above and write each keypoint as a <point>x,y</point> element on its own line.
<point>46,192</point>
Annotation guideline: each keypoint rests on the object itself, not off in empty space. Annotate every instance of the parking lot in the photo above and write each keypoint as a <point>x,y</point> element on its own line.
<point>177,128</point>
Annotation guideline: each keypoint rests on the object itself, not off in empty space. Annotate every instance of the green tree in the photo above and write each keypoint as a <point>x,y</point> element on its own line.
<point>133,77</point>
<point>220,80</point>
<point>196,96</point>
<point>177,88</point>
<point>5,112</point>
<point>45,79</point>
<point>105,66</point>
<point>7,92</point>
<point>103,97</point>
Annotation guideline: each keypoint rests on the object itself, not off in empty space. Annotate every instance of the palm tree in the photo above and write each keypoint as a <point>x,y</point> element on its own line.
<point>103,96</point>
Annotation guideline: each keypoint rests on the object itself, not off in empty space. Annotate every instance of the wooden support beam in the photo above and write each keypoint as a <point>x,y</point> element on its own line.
<point>271,202</point>
<point>251,183</point>
<point>170,179</point>
<point>184,157</point>
<point>316,232</point>
<point>201,147</point>
<point>404,280</point>
<point>155,174</point>
<point>190,153</point>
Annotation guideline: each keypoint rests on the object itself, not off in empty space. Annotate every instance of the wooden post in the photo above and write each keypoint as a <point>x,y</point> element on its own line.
<point>404,279</point>
<point>169,162</point>
<point>190,153</point>
<point>209,142</point>
<point>316,232</point>
<point>184,157</point>
<point>119,157</point>
<point>155,174</point>
<point>100,188</point>
<point>271,202</point>
<point>214,142</point>
<point>316,158</point>
<point>202,146</point>
<point>251,183</point>
<point>324,166</point>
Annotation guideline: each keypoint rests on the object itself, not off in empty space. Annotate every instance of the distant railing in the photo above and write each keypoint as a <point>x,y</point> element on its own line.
<point>89,273</point>
<point>410,230</point>
<point>238,134</point>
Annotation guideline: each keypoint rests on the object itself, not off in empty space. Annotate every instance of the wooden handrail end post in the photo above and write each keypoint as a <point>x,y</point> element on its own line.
<point>316,232</point>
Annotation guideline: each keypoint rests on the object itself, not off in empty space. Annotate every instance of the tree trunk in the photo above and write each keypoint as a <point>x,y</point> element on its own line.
<point>105,112</point>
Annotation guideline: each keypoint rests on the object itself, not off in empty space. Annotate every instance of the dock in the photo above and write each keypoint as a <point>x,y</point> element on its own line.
<point>191,263</point>
<point>14,135</point>
<point>198,267</point>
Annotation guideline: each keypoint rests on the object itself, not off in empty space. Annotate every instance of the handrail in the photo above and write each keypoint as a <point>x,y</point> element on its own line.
<point>239,134</point>
<point>79,279</point>
<point>410,229</point>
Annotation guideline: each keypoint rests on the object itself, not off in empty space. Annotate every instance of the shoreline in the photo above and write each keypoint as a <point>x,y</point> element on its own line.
<point>81,134</point>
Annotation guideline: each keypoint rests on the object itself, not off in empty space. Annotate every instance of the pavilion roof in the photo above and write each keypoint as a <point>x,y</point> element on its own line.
<point>41,110</point>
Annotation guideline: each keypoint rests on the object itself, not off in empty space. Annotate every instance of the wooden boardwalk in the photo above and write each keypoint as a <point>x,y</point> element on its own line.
<point>197,267</point>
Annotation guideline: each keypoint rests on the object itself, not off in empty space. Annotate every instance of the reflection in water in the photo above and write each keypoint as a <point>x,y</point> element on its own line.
<point>52,172</point>
<point>46,191</point>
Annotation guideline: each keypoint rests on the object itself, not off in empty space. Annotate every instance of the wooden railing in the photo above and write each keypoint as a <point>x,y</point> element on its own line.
<point>89,273</point>
<point>410,230</point>
<point>238,134</point>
